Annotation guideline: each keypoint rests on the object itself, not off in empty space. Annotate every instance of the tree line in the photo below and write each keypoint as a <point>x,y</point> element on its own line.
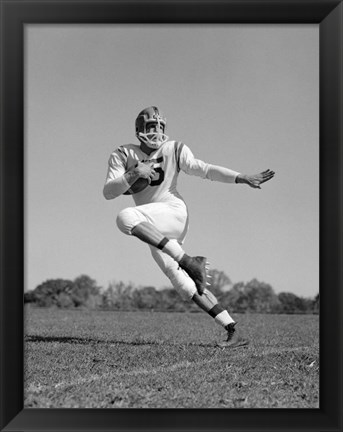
<point>251,297</point>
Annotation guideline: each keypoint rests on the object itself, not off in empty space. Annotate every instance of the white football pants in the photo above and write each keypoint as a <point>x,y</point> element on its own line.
<point>171,220</point>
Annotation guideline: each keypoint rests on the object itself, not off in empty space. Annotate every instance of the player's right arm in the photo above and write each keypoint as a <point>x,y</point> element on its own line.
<point>120,178</point>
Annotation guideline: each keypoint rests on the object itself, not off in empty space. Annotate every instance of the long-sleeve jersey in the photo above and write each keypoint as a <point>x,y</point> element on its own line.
<point>171,158</point>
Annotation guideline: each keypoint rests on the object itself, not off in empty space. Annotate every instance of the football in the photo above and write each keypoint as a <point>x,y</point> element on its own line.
<point>137,186</point>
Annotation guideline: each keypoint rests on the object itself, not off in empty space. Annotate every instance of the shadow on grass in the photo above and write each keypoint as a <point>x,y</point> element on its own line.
<point>85,340</point>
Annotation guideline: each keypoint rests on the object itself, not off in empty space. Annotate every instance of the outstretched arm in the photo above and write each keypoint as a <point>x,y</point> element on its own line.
<point>189,164</point>
<point>255,180</point>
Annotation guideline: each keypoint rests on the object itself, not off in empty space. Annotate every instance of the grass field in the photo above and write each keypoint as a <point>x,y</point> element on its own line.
<point>92,359</point>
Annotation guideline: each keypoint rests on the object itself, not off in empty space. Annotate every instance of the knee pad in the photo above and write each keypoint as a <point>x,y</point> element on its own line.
<point>128,218</point>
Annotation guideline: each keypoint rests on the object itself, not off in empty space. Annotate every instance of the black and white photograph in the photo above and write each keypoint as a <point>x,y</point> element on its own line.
<point>171,216</point>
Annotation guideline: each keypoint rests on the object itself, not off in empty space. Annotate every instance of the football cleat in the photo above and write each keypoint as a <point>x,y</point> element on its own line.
<point>196,269</point>
<point>233,340</point>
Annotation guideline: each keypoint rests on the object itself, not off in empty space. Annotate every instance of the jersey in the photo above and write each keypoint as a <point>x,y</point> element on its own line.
<point>168,161</point>
<point>165,163</point>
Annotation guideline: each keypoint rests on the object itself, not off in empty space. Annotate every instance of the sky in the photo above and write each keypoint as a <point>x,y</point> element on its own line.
<point>241,96</point>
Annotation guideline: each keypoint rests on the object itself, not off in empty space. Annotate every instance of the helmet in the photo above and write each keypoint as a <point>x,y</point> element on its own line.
<point>149,116</point>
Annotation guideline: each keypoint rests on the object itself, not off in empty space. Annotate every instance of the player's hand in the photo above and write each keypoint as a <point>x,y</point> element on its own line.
<point>145,170</point>
<point>256,180</point>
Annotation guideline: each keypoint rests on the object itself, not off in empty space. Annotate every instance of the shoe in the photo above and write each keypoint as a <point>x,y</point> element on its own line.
<point>233,340</point>
<point>196,269</point>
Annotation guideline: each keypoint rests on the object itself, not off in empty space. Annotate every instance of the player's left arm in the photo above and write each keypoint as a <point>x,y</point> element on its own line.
<point>193,166</point>
<point>255,180</point>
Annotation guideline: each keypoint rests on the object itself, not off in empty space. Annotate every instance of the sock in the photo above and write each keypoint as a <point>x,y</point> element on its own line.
<point>209,304</point>
<point>172,248</point>
<point>223,318</point>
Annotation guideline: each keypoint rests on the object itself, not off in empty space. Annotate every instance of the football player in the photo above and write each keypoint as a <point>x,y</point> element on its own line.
<point>149,170</point>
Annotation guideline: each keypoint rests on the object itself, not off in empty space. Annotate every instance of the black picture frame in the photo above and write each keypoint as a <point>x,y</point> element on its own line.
<point>328,14</point>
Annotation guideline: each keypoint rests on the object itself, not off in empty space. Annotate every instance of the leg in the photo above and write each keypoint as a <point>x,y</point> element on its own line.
<point>182,283</point>
<point>155,224</point>
<point>147,232</point>
<point>185,286</point>
<point>209,303</point>
<point>152,223</point>
<point>195,267</point>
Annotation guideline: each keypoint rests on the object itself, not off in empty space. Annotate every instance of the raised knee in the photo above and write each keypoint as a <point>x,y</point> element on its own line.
<point>126,220</point>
